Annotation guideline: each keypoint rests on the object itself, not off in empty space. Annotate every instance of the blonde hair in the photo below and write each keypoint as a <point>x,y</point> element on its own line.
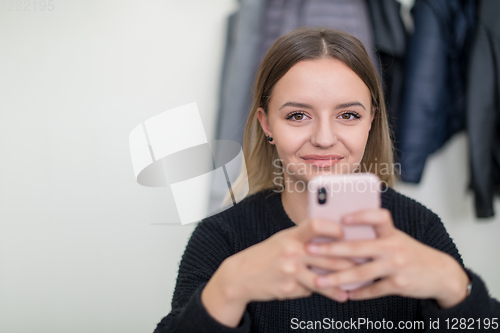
<point>310,44</point>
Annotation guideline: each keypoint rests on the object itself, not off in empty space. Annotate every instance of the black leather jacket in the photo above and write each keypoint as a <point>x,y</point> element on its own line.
<point>433,103</point>
<point>483,108</point>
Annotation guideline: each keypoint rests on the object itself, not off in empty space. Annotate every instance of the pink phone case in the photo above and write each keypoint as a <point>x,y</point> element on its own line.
<point>345,193</point>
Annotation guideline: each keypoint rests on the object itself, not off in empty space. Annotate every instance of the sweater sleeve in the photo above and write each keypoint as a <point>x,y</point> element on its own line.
<point>478,305</point>
<point>208,246</point>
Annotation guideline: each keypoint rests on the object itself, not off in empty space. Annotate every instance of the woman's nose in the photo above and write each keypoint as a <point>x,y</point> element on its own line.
<point>323,134</point>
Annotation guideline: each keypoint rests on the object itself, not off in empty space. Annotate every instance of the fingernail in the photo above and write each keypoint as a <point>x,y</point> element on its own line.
<point>322,281</point>
<point>313,248</point>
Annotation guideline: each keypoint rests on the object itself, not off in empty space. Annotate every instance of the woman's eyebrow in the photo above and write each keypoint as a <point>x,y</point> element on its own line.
<point>349,104</point>
<point>307,106</point>
<point>297,105</point>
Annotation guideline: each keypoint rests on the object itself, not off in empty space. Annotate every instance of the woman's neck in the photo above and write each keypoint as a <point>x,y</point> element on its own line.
<point>295,204</point>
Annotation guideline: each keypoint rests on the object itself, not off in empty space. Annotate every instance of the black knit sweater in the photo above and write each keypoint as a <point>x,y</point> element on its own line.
<point>259,216</point>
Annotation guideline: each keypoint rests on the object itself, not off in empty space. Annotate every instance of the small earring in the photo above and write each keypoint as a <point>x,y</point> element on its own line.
<point>269,138</point>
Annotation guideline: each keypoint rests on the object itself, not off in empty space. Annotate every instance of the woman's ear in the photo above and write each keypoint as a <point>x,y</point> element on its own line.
<point>264,121</point>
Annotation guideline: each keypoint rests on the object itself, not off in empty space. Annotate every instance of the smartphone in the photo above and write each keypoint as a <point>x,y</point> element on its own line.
<point>332,196</point>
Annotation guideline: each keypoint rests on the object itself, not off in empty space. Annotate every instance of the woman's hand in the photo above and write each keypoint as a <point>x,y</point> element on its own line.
<point>406,267</point>
<point>274,269</point>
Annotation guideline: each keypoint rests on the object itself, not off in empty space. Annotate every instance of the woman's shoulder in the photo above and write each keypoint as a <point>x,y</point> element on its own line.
<point>409,215</point>
<point>251,203</point>
<point>243,218</point>
<point>396,200</point>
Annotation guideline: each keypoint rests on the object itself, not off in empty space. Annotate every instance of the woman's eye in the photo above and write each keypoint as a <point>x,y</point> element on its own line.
<point>349,116</point>
<point>296,116</point>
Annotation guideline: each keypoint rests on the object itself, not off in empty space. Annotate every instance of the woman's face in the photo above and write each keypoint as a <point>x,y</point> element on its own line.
<point>319,107</point>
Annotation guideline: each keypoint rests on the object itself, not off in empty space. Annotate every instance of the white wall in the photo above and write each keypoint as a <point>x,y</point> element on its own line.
<point>77,249</point>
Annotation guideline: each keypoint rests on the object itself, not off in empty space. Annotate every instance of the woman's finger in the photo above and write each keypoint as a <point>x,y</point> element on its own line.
<point>379,218</point>
<point>313,228</point>
<point>360,273</point>
<point>369,248</point>
<point>306,277</point>
<point>334,293</point>
<point>384,287</point>
<point>328,263</point>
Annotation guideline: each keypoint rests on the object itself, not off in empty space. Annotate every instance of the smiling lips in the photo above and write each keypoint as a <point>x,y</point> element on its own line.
<point>322,160</point>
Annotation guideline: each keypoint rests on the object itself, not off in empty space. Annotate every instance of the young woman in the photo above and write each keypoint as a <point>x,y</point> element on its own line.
<point>318,103</point>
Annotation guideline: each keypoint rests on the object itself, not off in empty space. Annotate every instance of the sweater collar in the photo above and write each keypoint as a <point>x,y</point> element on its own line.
<point>276,211</point>
<point>274,204</point>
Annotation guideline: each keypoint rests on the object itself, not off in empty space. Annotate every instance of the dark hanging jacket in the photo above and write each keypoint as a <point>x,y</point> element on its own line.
<point>483,108</point>
<point>390,40</point>
<point>433,104</point>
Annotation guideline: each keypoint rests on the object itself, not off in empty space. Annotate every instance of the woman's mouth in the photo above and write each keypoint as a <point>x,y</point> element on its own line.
<point>322,161</point>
